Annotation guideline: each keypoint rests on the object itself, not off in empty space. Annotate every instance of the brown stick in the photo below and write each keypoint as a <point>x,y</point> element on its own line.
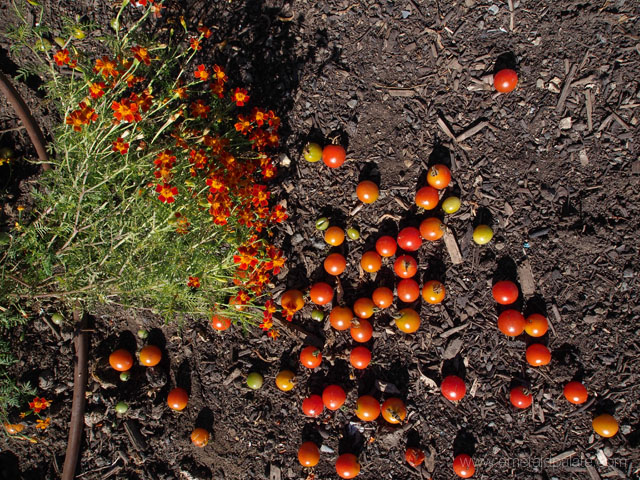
<point>80,372</point>
<point>23,112</point>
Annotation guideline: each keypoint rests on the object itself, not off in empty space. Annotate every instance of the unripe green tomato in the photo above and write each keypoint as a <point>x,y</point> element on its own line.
<point>322,223</point>
<point>78,33</point>
<point>125,376</point>
<point>121,408</point>
<point>57,318</point>
<point>353,233</point>
<point>451,205</point>
<point>317,315</point>
<point>43,45</point>
<point>482,234</point>
<point>312,152</point>
<point>254,380</point>
<point>59,41</point>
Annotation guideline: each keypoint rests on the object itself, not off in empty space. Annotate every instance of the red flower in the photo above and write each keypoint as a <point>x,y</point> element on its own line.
<point>258,116</point>
<point>202,73</point>
<point>278,214</point>
<point>126,111</point>
<point>199,109</point>
<point>119,145</point>
<point>96,89</point>
<point>61,57</point>
<point>194,282</point>
<point>217,89</point>
<point>195,44</point>
<point>240,97</point>
<point>83,116</point>
<point>219,74</point>
<point>166,193</point>
<point>206,31</point>
<point>39,404</point>
<point>243,125</point>
<point>260,195</point>
<point>106,67</point>
<point>141,54</point>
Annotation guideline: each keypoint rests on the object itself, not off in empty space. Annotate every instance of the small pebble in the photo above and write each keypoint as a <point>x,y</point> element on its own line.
<point>494,9</point>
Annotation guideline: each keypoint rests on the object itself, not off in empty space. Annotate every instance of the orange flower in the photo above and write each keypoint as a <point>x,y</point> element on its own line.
<point>43,424</point>
<point>156,9</point>
<point>166,193</point>
<point>206,31</point>
<point>273,334</point>
<point>181,92</point>
<point>194,282</point>
<point>61,57</point>
<point>133,79</point>
<point>219,74</point>
<point>126,111</point>
<point>144,101</point>
<point>240,97</point>
<point>106,67</point>
<point>267,324</point>
<point>119,145</point>
<point>96,89</point>
<point>39,404</point>
<point>13,428</point>
<point>260,195</point>
<point>195,44</point>
<point>199,109</point>
<point>141,54</point>
<point>202,73</point>
<point>243,125</point>
<point>82,116</point>
<point>217,89</point>
<point>278,214</point>
<point>258,116</point>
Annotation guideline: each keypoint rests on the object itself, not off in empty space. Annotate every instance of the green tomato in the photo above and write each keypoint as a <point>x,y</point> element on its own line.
<point>59,41</point>
<point>43,45</point>
<point>125,376</point>
<point>451,205</point>
<point>482,234</point>
<point>312,152</point>
<point>121,408</point>
<point>317,315</point>
<point>78,33</point>
<point>322,223</point>
<point>254,380</point>
<point>57,318</point>
<point>353,233</point>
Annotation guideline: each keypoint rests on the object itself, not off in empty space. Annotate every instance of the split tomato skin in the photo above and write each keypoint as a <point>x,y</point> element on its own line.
<point>393,410</point>
<point>333,156</point>
<point>520,398</point>
<point>405,266</point>
<point>414,456</point>
<point>310,357</point>
<point>433,292</point>
<point>453,388</point>
<point>439,176</point>
<point>505,80</point>
<point>505,292</point>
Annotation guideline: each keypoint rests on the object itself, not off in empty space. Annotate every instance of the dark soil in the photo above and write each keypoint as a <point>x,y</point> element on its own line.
<point>554,168</point>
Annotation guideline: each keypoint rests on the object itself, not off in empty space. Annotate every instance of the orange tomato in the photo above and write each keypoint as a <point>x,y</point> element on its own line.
<point>431,229</point>
<point>405,266</point>
<point>150,356</point>
<point>121,360</point>
<point>575,392</point>
<point>382,297</point>
<point>363,307</point>
<point>367,191</point>
<point>439,176</point>
<point>367,408</point>
<point>321,293</point>
<point>433,292</point>
<point>284,380</point>
<point>427,198</point>
<point>308,454</point>
<point>393,410</point>
<point>408,321</point>
<point>220,323</point>
<point>178,399</point>
<point>292,299</point>
<point>536,325</point>
<point>371,261</point>
<point>340,318</point>
<point>361,330</point>
<point>347,466</point>
<point>360,357</point>
<point>334,236</point>
<point>538,355</point>
<point>200,437</point>
<point>335,264</point>
<point>605,425</point>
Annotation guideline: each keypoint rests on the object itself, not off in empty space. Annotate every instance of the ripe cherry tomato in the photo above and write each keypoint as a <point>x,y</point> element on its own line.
<point>405,266</point>
<point>321,293</point>
<point>312,152</point>
<point>453,388</point>
<point>367,408</point>
<point>439,176</point>
<point>121,360</point>
<point>505,292</point>
<point>393,410</point>
<point>538,355</point>
<point>367,191</point>
<point>178,399</point>
<point>292,299</point>
<point>335,264</point>
<point>199,437</point>
<point>408,290</point>
<point>433,292</point>
<point>536,325</point>
<point>284,380</point>
<point>482,234</point>
<point>334,236</point>
<point>427,198</point>
<point>463,466</point>
<point>360,357</point>
<point>371,261</point>
<point>150,356</point>
<point>310,356</point>
<point>386,246</point>
<point>363,308</point>
<point>605,425</point>
<point>520,398</point>
<point>333,156</point>
<point>505,80</point>
<point>340,318</point>
<point>347,466</point>
<point>575,392</point>
<point>361,330</point>
<point>333,397</point>
<point>414,456</point>
<point>308,454</point>
<point>432,229</point>
<point>220,323</point>
<point>408,321</point>
<point>382,297</point>
<point>312,406</point>
<point>511,322</point>
<point>409,239</point>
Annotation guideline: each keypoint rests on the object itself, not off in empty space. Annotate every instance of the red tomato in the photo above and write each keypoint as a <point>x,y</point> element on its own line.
<point>361,330</point>
<point>575,392</point>
<point>414,456</point>
<point>177,399</point>
<point>386,246</point>
<point>536,325</point>
<point>453,388</point>
<point>505,80</point>
<point>220,323</point>
<point>371,261</point>
<point>340,318</point>
<point>347,466</point>
<point>367,191</point>
<point>427,198</point>
<point>121,360</point>
<point>333,156</point>
<point>439,176</point>
<point>333,397</point>
<point>363,308</point>
<point>432,229</point>
<point>310,356</point>
<point>408,290</point>
<point>505,292</point>
<point>360,357</point>
<point>335,264</point>
<point>150,356</point>
<point>463,466</point>
<point>367,408</point>
<point>511,322</point>
<point>313,406</point>
<point>308,454</point>
<point>408,321</point>
<point>321,293</point>
<point>520,398</point>
<point>382,297</point>
<point>433,292</point>
<point>405,266</point>
<point>409,239</point>
<point>538,355</point>
<point>393,410</point>
<point>199,437</point>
